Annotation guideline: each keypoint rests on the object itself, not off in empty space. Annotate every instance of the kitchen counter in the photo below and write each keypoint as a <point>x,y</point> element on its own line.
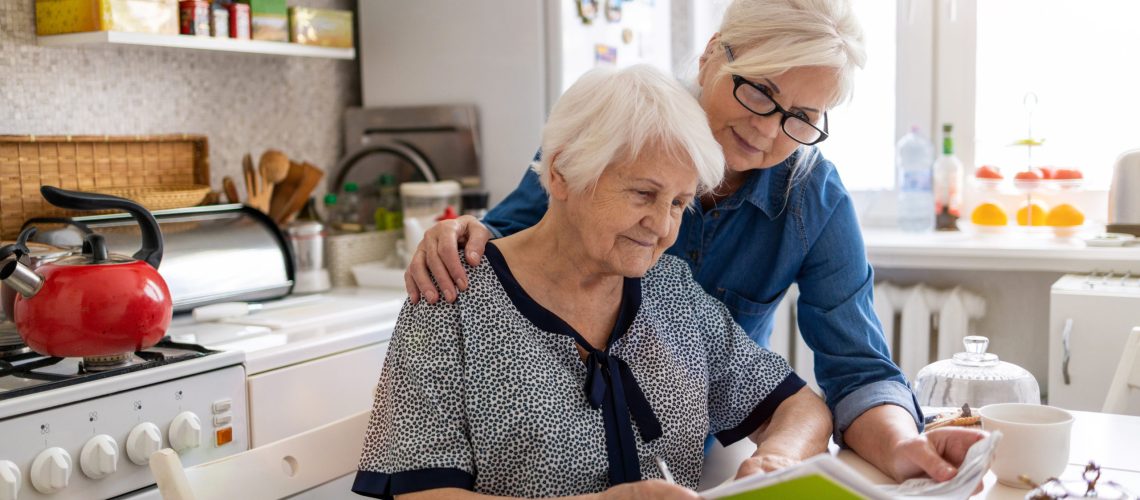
<point>892,248</point>
<point>335,321</point>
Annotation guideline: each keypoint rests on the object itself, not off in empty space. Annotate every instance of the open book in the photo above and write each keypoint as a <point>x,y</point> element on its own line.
<point>825,476</point>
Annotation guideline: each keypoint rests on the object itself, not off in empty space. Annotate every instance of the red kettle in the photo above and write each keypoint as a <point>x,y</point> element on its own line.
<point>93,304</point>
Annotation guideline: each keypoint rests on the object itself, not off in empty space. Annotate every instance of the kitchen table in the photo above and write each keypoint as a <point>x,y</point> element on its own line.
<point>1113,441</point>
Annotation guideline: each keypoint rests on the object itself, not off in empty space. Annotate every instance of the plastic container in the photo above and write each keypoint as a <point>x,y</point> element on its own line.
<point>914,160</point>
<point>423,205</point>
<point>976,378</point>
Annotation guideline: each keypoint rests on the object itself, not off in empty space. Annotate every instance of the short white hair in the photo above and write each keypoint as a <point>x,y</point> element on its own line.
<point>609,115</point>
<point>769,37</point>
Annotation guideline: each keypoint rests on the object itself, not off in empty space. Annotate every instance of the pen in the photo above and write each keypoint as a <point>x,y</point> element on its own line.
<point>664,470</point>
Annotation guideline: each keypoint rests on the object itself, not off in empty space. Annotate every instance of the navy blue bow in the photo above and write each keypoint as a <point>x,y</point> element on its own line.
<point>611,386</point>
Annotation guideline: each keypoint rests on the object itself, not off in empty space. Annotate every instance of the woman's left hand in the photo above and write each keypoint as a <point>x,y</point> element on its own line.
<point>937,453</point>
<point>764,463</point>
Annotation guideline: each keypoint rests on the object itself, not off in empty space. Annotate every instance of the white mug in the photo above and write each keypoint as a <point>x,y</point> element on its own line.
<point>1035,441</point>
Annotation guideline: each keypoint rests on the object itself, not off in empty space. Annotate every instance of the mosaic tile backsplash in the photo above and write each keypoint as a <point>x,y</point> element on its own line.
<point>242,102</point>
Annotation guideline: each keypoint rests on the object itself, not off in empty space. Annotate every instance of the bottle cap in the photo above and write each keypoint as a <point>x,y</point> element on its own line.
<point>386,180</point>
<point>350,187</point>
<point>330,199</point>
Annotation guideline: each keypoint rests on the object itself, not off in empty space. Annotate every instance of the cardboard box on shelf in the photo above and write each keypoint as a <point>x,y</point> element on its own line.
<point>55,17</point>
<point>323,27</point>
<point>269,20</point>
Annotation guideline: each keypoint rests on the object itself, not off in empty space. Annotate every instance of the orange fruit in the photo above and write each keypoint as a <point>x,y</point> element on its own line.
<point>1064,215</point>
<point>989,214</point>
<point>1032,212</point>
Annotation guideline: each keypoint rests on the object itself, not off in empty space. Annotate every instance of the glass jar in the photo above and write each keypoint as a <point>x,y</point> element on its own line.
<point>976,378</point>
<point>424,203</point>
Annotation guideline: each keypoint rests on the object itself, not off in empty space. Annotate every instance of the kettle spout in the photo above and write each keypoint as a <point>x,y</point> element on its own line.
<point>21,278</point>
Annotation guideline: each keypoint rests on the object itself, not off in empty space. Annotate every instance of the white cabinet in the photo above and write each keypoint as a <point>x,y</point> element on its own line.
<point>1096,315</point>
<point>307,395</point>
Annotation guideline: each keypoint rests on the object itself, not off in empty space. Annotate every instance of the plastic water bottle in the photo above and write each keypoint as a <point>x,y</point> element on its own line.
<point>914,160</point>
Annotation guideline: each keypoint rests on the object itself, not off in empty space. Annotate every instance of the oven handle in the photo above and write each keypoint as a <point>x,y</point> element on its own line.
<point>1065,333</point>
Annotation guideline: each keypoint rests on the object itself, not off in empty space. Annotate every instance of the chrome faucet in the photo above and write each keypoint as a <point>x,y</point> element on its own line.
<point>403,150</point>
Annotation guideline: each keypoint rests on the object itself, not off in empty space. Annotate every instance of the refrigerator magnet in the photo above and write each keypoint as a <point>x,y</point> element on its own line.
<point>605,55</point>
<point>613,11</point>
<point>627,36</point>
<point>587,10</point>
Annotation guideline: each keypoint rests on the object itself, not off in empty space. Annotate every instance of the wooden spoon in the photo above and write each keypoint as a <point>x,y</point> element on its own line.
<point>231,190</point>
<point>274,167</point>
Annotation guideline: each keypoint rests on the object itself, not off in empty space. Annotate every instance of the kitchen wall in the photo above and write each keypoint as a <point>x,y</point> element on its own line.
<point>242,102</point>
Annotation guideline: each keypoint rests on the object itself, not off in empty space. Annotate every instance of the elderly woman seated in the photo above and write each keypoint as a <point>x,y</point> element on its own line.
<point>580,355</point>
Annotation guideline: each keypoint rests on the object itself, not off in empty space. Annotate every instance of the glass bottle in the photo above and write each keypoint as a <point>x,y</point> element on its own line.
<point>948,180</point>
<point>388,215</point>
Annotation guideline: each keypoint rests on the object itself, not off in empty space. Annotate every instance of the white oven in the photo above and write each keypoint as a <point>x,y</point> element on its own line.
<point>307,364</point>
<point>1090,317</point>
<point>68,433</point>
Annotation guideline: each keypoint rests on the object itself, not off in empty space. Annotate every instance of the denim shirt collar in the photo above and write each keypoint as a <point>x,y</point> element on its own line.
<point>765,188</point>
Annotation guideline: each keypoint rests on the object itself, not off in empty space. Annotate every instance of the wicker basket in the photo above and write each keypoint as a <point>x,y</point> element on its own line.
<point>91,163</point>
<point>161,197</point>
<point>342,251</point>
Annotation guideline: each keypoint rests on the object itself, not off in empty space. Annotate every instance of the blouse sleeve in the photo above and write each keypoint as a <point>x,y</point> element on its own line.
<point>746,382</point>
<point>418,436</point>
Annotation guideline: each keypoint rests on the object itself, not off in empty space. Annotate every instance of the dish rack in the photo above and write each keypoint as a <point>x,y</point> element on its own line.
<point>159,171</point>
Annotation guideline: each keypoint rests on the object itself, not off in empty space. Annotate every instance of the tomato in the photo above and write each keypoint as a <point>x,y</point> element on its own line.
<point>1067,173</point>
<point>987,172</point>
<point>1032,174</point>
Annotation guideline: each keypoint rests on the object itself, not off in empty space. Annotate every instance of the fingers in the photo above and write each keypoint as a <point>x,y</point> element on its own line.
<point>477,237</point>
<point>418,274</point>
<point>953,443</point>
<point>447,251</point>
<point>439,272</point>
<point>923,455</point>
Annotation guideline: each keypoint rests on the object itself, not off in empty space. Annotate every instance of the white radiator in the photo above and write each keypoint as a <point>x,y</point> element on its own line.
<point>922,325</point>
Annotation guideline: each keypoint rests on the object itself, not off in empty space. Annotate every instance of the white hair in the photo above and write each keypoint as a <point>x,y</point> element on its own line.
<point>769,37</point>
<point>609,115</point>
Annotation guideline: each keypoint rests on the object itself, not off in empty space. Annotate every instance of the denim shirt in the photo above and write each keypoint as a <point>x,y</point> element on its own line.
<point>749,248</point>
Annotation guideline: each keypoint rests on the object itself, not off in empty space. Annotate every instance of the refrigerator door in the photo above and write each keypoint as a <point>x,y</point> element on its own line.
<point>622,33</point>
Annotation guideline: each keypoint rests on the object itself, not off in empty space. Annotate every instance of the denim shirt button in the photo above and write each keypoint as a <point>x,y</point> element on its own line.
<point>693,255</point>
<point>716,214</point>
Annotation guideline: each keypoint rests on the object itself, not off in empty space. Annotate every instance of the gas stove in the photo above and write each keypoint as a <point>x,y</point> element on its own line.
<point>85,428</point>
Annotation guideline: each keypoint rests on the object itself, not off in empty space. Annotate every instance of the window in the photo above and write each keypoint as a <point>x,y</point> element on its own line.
<point>862,140</point>
<point>1081,61</point>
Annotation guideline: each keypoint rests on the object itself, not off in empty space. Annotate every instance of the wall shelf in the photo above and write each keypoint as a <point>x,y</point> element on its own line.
<point>116,38</point>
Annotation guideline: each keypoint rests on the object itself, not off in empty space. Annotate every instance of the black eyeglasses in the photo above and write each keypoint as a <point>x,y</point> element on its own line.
<point>758,99</point>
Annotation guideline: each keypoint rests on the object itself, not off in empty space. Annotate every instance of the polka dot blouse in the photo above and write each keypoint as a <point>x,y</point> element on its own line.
<point>490,394</point>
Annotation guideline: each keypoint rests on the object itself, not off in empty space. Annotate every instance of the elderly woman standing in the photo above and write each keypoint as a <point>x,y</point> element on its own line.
<point>780,216</point>
<point>579,355</point>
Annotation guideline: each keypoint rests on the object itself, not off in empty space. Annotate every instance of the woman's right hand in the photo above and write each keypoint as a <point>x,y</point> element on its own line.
<point>650,488</point>
<point>438,256</point>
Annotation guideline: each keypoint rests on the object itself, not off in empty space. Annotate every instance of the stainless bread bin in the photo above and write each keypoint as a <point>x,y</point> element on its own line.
<point>216,253</point>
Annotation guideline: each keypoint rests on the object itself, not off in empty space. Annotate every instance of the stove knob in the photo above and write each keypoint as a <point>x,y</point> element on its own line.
<point>51,470</point>
<point>100,457</point>
<point>143,440</point>
<point>185,431</point>
<point>9,480</point>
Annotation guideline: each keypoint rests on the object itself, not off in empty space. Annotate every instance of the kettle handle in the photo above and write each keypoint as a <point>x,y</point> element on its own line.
<point>151,251</point>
